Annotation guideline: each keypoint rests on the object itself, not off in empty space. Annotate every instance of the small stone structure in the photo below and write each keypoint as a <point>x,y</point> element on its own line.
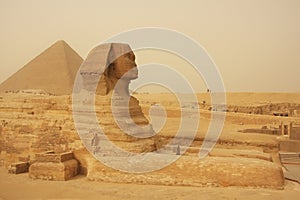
<point>295,131</point>
<point>289,145</point>
<point>275,109</point>
<point>285,129</point>
<point>290,130</point>
<point>264,130</point>
<point>18,168</point>
<point>54,166</point>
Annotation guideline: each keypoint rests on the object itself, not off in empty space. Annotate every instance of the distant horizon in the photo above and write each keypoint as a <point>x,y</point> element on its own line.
<point>154,92</point>
<point>255,44</point>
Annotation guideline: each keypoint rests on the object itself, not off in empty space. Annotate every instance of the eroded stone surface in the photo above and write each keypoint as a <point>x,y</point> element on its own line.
<point>18,168</point>
<point>119,113</point>
<point>56,171</point>
<point>191,171</point>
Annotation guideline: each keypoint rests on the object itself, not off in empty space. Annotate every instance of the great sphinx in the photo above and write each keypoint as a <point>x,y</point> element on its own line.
<point>106,73</point>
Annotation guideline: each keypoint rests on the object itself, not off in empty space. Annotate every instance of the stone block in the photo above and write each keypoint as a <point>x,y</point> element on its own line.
<point>18,168</point>
<point>56,171</point>
<point>51,156</point>
<point>295,133</point>
<point>289,145</point>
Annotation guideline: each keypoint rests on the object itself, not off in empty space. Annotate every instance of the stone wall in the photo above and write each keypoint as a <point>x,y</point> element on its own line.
<point>295,132</point>
<point>32,123</point>
<point>192,171</point>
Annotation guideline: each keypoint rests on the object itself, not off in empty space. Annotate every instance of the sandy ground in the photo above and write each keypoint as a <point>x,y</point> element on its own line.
<point>21,187</point>
<point>238,99</point>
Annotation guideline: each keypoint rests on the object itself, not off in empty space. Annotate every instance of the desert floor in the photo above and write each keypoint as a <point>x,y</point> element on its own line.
<point>21,187</point>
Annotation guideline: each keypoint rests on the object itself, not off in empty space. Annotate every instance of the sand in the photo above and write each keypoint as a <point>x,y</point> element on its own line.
<point>21,187</point>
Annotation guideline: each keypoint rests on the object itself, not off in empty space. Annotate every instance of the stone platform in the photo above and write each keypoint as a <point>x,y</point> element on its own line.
<point>54,166</point>
<point>191,171</point>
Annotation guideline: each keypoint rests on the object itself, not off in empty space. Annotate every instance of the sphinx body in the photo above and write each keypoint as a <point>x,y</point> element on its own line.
<point>107,73</point>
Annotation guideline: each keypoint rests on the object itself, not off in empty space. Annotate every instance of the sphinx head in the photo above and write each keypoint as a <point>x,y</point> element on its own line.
<point>122,63</point>
<point>106,65</point>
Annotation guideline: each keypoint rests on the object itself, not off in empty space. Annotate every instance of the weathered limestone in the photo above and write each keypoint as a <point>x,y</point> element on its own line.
<point>109,63</point>
<point>18,168</point>
<point>54,157</point>
<point>119,114</point>
<point>23,134</point>
<point>191,171</point>
<point>54,166</point>
<point>49,125</point>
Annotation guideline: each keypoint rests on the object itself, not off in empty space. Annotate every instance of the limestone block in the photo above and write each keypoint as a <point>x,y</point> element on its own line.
<point>56,171</point>
<point>289,145</point>
<point>53,157</point>
<point>18,168</point>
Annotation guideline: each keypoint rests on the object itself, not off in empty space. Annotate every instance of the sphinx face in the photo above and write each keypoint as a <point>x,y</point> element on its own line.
<point>124,67</point>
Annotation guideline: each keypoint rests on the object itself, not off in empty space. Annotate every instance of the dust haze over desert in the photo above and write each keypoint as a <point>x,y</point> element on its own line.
<point>149,99</point>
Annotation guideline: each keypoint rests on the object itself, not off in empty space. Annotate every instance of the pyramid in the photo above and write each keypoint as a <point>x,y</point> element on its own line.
<point>53,71</point>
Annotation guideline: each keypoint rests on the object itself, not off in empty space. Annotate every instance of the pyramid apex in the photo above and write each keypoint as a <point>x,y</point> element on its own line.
<point>61,42</point>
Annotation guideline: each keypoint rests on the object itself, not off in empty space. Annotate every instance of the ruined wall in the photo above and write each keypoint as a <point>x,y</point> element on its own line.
<point>34,123</point>
<point>295,132</point>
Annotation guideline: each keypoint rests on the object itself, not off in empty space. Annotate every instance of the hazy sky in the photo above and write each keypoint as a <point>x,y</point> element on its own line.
<point>255,43</point>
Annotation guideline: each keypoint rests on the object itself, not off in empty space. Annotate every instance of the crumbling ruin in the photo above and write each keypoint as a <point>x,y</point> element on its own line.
<point>275,109</point>
<point>54,166</point>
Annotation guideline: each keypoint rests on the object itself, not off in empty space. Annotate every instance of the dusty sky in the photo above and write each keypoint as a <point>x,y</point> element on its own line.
<point>255,43</point>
